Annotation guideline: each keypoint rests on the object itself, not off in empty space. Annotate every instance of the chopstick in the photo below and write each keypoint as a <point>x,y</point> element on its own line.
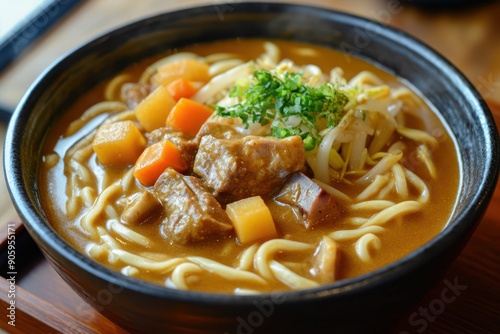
<point>5,113</point>
<point>32,29</point>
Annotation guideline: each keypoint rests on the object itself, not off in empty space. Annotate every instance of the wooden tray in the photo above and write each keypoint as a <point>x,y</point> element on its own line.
<point>467,300</point>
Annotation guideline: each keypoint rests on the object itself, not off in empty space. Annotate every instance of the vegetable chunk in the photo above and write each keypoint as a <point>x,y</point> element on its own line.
<point>251,219</point>
<point>118,143</point>
<point>155,159</point>
<point>154,109</point>
<point>191,214</point>
<point>181,88</point>
<point>188,116</point>
<point>187,68</point>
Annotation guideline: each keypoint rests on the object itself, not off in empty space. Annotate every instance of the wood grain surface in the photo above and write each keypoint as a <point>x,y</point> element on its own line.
<point>469,37</point>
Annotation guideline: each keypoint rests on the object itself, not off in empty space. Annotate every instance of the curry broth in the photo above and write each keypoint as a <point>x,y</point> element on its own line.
<point>401,237</point>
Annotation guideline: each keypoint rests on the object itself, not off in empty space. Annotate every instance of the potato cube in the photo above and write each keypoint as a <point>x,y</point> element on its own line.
<point>154,109</point>
<point>186,68</point>
<point>251,219</point>
<point>119,143</point>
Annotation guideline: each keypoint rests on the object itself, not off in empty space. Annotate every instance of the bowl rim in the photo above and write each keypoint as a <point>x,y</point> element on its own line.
<point>42,232</point>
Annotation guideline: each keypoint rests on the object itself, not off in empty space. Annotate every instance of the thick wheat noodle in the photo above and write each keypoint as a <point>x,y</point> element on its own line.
<point>406,96</point>
<point>268,249</point>
<point>358,221</point>
<point>365,78</point>
<point>95,110</point>
<point>161,267</point>
<point>290,278</point>
<point>108,242</point>
<point>384,192</point>
<point>100,205</point>
<point>130,271</point>
<point>97,251</point>
<point>372,205</point>
<point>374,187</point>
<point>83,154</point>
<point>88,195</point>
<point>106,238</point>
<point>181,272</point>
<point>112,90</point>
<point>126,115</point>
<point>246,257</point>
<point>83,143</point>
<point>226,272</point>
<point>364,244</point>
<point>129,234</point>
<point>342,235</point>
<point>111,212</point>
<point>128,180</point>
<point>83,173</point>
<point>394,211</point>
<point>72,207</point>
<point>400,180</point>
<point>419,184</point>
<point>294,266</point>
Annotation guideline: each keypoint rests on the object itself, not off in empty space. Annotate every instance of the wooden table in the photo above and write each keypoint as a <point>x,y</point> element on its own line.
<point>468,37</point>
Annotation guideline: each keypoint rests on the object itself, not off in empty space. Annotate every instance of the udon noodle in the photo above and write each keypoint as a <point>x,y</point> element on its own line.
<point>378,161</point>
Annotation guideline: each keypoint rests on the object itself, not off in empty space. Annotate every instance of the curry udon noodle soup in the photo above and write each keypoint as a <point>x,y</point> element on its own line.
<point>249,166</point>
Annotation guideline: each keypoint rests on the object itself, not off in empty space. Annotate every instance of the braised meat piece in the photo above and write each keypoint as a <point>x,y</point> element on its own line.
<point>133,93</point>
<point>218,130</point>
<point>186,145</point>
<point>233,169</point>
<point>313,204</point>
<point>141,208</point>
<point>191,214</point>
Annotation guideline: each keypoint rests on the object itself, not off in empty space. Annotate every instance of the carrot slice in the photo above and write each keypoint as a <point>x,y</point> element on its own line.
<point>155,159</point>
<point>181,88</point>
<point>188,116</point>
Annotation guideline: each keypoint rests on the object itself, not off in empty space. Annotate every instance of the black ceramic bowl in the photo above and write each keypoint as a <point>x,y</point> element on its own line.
<point>367,303</point>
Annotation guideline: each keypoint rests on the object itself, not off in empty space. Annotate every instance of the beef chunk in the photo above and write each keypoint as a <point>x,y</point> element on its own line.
<point>186,145</point>
<point>313,204</point>
<point>191,213</point>
<point>133,93</point>
<point>218,130</point>
<point>141,208</point>
<point>233,169</point>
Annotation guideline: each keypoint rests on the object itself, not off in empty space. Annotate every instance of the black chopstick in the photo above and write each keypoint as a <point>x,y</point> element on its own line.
<point>32,29</point>
<point>5,113</point>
